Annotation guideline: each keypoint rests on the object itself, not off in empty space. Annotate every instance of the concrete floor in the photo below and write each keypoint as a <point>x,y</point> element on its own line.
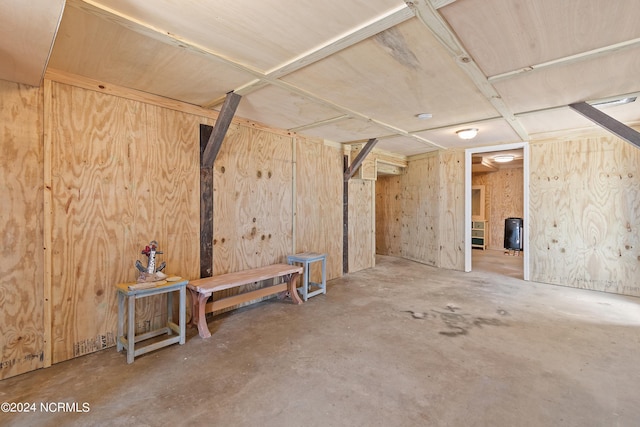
<point>402,344</point>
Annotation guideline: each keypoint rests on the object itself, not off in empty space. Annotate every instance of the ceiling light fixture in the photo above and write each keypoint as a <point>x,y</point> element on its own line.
<point>424,116</point>
<point>612,102</point>
<point>503,158</point>
<point>467,133</point>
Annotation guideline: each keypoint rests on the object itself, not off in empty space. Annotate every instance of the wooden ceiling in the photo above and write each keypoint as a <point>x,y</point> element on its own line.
<point>351,70</point>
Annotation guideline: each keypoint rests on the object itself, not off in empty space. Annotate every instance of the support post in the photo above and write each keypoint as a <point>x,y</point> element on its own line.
<point>206,208</point>
<point>220,129</point>
<point>609,123</point>
<point>345,219</point>
<point>210,142</point>
<point>351,170</point>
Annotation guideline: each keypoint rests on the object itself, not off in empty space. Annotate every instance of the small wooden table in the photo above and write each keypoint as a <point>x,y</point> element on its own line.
<point>131,295</point>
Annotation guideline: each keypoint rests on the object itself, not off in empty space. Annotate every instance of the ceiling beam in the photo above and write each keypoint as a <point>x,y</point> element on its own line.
<point>320,123</point>
<point>609,123</point>
<point>351,170</point>
<point>458,125</point>
<point>583,56</point>
<point>243,90</point>
<point>429,16</point>
<point>437,4</point>
<point>220,129</point>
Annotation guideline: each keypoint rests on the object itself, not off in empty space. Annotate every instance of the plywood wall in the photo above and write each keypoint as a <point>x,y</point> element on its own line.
<point>318,217</point>
<point>584,211</point>
<point>253,223</point>
<point>129,171</point>
<point>361,224</point>
<point>585,214</point>
<point>124,173</point>
<point>389,215</point>
<point>451,210</point>
<point>421,210</point>
<point>420,214</point>
<point>253,208</point>
<point>21,230</point>
<point>504,198</point>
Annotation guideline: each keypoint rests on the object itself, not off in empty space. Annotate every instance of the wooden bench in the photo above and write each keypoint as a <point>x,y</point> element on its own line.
<point>202,289</point>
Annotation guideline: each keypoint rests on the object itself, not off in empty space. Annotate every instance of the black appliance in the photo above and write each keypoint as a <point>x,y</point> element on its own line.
<point>513,234</point>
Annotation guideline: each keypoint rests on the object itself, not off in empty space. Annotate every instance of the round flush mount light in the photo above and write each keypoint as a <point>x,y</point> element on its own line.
<point>467,133</point>
<point>503,158</point>
<point>424,116</point>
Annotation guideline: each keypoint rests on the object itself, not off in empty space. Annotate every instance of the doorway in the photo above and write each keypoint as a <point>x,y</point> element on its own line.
<point>469,153</point>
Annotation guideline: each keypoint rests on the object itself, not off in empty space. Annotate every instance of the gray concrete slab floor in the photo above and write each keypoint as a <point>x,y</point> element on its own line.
<point>401,344</point>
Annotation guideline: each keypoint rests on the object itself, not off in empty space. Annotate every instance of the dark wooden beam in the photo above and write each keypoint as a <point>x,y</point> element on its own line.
<point>220,129</point>
<point>206,208</point>
<point>345,218</point>
<point>351,170</point>
<point>609,123</point>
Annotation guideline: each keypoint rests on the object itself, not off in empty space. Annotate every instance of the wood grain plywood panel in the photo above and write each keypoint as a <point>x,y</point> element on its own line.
<point>252,200</point>
<point>27,33</point>
<point>364,78</point>
<point>171,137</point>
<point>404,145</point>
<point>283,109</point>
<point>503,36</point>
<point>585,210</point>
<point>361,225</point>
<point>90,208</point>
<point>451,214</point>
<point>21,230</point>
<point>319,187</point>
<point>389,215</point>
<point>261,35</point>
<point>558,119</point>
<point>550,218</point>
<point>346,130</point>
<point>368,170</point>
<point>421,209</point>
<point>91,46</point>
<point>565,123</point>
<point>504,198</point>
<point>123,174</point>
<point>563,85</point>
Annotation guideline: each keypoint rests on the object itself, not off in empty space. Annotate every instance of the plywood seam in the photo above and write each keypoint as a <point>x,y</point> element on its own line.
<point>582,56</point>
<point>294,196</point>
<point>373,224</point>
<point>47,220</point>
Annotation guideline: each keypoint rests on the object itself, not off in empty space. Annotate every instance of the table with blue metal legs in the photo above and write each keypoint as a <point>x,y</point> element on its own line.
<point>309,288</point>
<point>175,331</point>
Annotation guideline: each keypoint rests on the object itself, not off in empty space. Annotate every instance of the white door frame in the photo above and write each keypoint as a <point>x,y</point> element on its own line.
<point>467,200</point>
